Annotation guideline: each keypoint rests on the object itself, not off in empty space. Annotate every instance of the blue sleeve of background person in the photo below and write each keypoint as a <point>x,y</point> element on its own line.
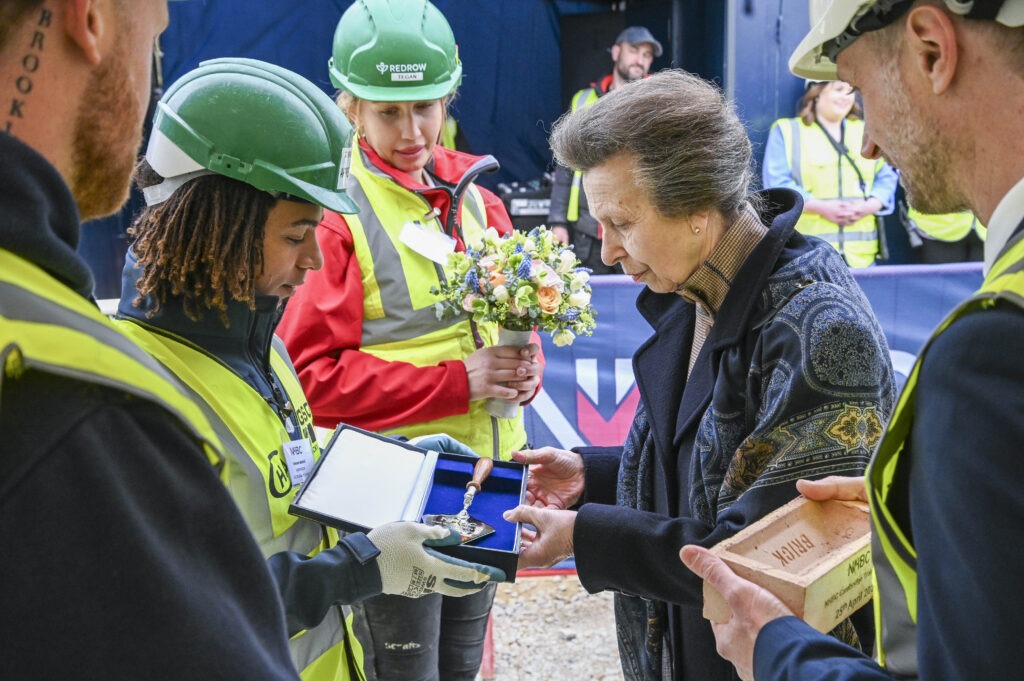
<point>967,498</point>
<point>776,170</point>
<point>883,188</point>
<point>310,586</point>
<point>789,649</point>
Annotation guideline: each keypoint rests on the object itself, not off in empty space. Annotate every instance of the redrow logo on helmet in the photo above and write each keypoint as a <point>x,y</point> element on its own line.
<point>384,67</point>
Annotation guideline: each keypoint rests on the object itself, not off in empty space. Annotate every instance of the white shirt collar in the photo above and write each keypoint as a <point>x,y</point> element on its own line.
<point>1005,218</point>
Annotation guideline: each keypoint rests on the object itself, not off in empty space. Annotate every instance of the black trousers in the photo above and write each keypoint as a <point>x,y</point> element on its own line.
<point>433,638</point>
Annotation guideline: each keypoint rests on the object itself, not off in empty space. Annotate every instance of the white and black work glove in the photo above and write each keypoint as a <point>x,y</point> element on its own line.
<point>442,442</point>
<point>409,567</point>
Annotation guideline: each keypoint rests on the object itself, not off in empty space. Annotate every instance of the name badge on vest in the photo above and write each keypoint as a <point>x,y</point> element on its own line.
<point>430,243</point>
<point>298,456</point>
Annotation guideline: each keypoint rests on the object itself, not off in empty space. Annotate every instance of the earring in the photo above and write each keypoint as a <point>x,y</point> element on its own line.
<point>696,230</point>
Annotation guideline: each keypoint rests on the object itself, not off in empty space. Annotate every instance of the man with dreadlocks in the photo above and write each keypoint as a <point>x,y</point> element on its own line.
<point>228,235</point>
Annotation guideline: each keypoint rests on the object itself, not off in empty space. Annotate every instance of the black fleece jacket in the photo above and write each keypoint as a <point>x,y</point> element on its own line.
<point>123,555</point>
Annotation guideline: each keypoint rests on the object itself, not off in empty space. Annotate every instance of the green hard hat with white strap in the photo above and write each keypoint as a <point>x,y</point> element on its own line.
<point>254,122</point>
<point>395,51</point>
<point>837,23</point>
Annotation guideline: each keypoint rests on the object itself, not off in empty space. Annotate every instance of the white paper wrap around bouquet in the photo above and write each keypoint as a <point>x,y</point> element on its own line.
<point>495,406</point>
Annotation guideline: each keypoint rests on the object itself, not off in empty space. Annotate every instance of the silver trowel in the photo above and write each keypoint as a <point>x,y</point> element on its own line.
<point>467,526</point>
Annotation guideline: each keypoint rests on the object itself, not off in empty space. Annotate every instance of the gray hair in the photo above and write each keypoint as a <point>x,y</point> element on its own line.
<point>691,151</point>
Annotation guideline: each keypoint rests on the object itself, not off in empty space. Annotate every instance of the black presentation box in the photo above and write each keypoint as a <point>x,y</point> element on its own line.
<point>363,480</point>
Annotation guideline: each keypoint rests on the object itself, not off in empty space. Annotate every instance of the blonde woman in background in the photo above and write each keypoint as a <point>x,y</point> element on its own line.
<point>818,155</point>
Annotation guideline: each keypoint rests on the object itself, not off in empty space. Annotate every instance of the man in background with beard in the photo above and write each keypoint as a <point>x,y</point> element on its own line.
<point>943,90</point>
<point>568,215</point>
<point>123,555</point>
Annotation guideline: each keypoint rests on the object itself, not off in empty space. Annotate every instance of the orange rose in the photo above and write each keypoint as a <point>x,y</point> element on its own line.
<point>548,298</point>
<point>497,278</point>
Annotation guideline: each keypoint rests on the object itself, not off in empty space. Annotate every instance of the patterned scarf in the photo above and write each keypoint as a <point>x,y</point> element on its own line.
<point>641,623</point>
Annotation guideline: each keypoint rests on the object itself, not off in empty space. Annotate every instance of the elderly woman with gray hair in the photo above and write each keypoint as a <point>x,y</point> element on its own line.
<point>766,366</point>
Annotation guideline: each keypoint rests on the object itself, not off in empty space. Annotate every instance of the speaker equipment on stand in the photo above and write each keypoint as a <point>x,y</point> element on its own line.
<point>527,202</point>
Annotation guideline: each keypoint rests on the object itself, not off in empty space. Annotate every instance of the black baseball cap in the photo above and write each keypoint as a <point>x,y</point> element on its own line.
<point>634,35</point>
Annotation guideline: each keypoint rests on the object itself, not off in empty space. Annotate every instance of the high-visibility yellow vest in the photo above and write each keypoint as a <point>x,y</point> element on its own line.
<point>893,554</point>
<point>399,318</point>
<point>947,226</point>
<point>258,479</point>
<point>825,174</point>
<point>45,326</point>
<point>581,99</point>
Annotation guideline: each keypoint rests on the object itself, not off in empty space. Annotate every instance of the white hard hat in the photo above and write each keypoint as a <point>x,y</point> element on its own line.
<point>837,23</point>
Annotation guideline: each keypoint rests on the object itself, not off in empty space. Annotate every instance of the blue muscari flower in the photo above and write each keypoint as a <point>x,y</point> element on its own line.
<point>472,280</point>
<point>570,315</point>
<point>523,271</point>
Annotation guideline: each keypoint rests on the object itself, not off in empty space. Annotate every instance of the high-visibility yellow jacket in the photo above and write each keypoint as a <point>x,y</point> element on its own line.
<point>363,331</point>
<point>893,552</point>
<point>255,430</point>
<point>76,340</point>
<point>820,170</point>
<point>580,100</point>
<point>947,226</point>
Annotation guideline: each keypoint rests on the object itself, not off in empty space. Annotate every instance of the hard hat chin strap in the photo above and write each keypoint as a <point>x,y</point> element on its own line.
<point>884,12</point>
<point>976,9</point>
<point>878,15</point>
<point>158,193</point>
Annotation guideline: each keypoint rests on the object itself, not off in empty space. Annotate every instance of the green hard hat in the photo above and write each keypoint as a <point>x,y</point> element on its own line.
<point>395,51</point>
<point>254,122</point>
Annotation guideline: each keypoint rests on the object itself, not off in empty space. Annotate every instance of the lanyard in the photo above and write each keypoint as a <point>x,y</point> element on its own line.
<point>842,151</point>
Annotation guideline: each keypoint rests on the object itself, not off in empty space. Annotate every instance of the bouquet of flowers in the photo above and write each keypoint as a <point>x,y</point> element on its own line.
<point>520,282</point>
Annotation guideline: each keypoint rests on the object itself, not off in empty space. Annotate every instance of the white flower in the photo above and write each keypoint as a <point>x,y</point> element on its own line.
<point>563,338</point>
<point>491,238</point>
<point>529,245</point>
<point>566,262</point>
<point>579,279</point>
<point>579,298</point>
<point>501,293</point>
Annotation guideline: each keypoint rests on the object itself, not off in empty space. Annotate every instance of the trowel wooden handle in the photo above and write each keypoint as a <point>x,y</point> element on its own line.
<point>481,470</point>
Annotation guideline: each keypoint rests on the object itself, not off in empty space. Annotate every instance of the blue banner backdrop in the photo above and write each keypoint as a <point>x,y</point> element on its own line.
<point>589,395</point>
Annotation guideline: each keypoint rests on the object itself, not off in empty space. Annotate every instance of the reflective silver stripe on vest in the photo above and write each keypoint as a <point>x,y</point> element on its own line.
<point>279,347</point>
<point>848,236</point>
<point>475,209</point>
<point>796,169</point>
<point>1012,269</point>
<point>899,633</point>
<point>23,305</point>
<point>400,322</point>
<point>309,647</point>
<point>302,537</point>
<point>794,154</point>
<point>20,304</point>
